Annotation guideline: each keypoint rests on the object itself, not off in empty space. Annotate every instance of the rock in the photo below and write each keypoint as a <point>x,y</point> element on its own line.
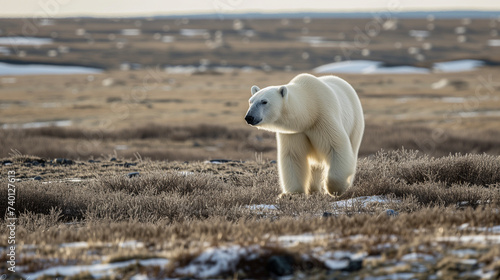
<point>391,213</point>
<point>37,178</point>
<point>273,162</point>
<point>327,214</point>
<point>128,164</point>
<point>220,161</point>
<point>280,265</point>
<point>133,174</point>
<point>354,265</point>
<point>63,161</point>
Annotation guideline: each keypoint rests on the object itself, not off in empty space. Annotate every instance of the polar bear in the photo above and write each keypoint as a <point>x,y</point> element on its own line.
<point>319,125</point>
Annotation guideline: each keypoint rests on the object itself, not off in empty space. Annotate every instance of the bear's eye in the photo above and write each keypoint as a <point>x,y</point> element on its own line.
<point>264,102</point>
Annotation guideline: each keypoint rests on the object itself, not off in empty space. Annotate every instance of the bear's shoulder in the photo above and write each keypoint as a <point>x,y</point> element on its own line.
<point>303,78</point>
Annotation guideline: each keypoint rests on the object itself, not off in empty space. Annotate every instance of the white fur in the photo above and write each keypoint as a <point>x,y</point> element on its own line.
<point>319,125</point>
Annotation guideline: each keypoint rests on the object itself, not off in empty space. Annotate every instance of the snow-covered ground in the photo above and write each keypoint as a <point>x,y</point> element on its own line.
<point>37,124</point>
<point>7,69</point>
<point>25,41</point>
<point>229,258</point>
<point>96,270</point>
<point>377,67</point>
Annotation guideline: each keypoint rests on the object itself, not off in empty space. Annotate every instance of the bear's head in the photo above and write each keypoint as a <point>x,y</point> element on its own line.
<point>266,106</point>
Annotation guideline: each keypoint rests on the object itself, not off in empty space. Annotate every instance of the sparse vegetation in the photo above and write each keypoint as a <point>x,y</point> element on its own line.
<point>161,142</point>
<point>129,189</point>
<point>176,203</point>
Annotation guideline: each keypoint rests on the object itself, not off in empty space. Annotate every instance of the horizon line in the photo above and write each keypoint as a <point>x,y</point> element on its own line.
<point>250,13</point>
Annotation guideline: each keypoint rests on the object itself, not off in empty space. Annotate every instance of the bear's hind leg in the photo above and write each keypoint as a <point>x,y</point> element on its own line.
<point>340,172</point>
<point>294,169</point>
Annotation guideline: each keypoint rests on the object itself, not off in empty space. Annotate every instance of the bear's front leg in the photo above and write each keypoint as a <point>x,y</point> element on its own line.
<point>293,166</point>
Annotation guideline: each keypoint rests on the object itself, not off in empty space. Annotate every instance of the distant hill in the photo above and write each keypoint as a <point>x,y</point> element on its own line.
<point>417,14</point>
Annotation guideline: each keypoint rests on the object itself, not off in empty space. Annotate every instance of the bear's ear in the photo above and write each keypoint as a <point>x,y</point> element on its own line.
<point>255,89</point>
<point>283,91</point>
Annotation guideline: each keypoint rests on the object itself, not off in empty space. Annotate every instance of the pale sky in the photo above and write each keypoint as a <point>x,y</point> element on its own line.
<point>61,8</point>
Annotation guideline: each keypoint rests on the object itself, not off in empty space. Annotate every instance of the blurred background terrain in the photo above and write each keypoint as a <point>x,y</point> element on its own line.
<point>177,88</point>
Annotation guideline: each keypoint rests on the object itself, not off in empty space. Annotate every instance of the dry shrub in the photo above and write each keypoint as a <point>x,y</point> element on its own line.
<point>421,138</point>
<point>240,143</point>
<point>224,191</point>
<point>457,179</point>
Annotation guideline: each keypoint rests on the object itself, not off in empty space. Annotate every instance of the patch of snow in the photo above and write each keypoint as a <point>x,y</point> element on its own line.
<point>131,244</point>
<point>457,65</point>
<point>216,261</point>
<point>353,66</point>
<point>311,39</point>
<point>337,260</point>
<point>473,114</point>
<point>367,67</point>
<point>419,33</point>
<point>294,240</point>
<point>484,274</point>
<point>193,32</point>
<point>464,252</point>
<point>4,51</point>
<point>377,67</point>
<point>75,269</point>
<point>131,32</point>
<point>38,124</point>
<point>480,239</point>
<point>167,39</point>
<point>108,82</point>
<point>470,262</point>
<point>154,262</point>
<point>139,277</point>
<point>336,264</point>
<point>453,99</point>
<point>401,70</point>
<point>318,41</point>
<point>395,276</point>
<point>262,207</point>
<point>181,69</point>
<point>338,255</point>
<point>362,201</point>
<point>43,69</point>
<point>75,245</point>
<point>494,43</point>
<point>418,256</point>
<point>25,41</point>
<point>493,229</point>
<point>96,270</point>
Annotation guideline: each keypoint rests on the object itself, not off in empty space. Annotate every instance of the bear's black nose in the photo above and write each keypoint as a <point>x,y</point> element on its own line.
<point>249,119</point>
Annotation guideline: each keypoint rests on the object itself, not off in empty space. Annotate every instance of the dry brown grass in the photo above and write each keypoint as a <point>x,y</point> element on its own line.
<point>177,214</point>
<point>161,142</point>
<point>164,195</point>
